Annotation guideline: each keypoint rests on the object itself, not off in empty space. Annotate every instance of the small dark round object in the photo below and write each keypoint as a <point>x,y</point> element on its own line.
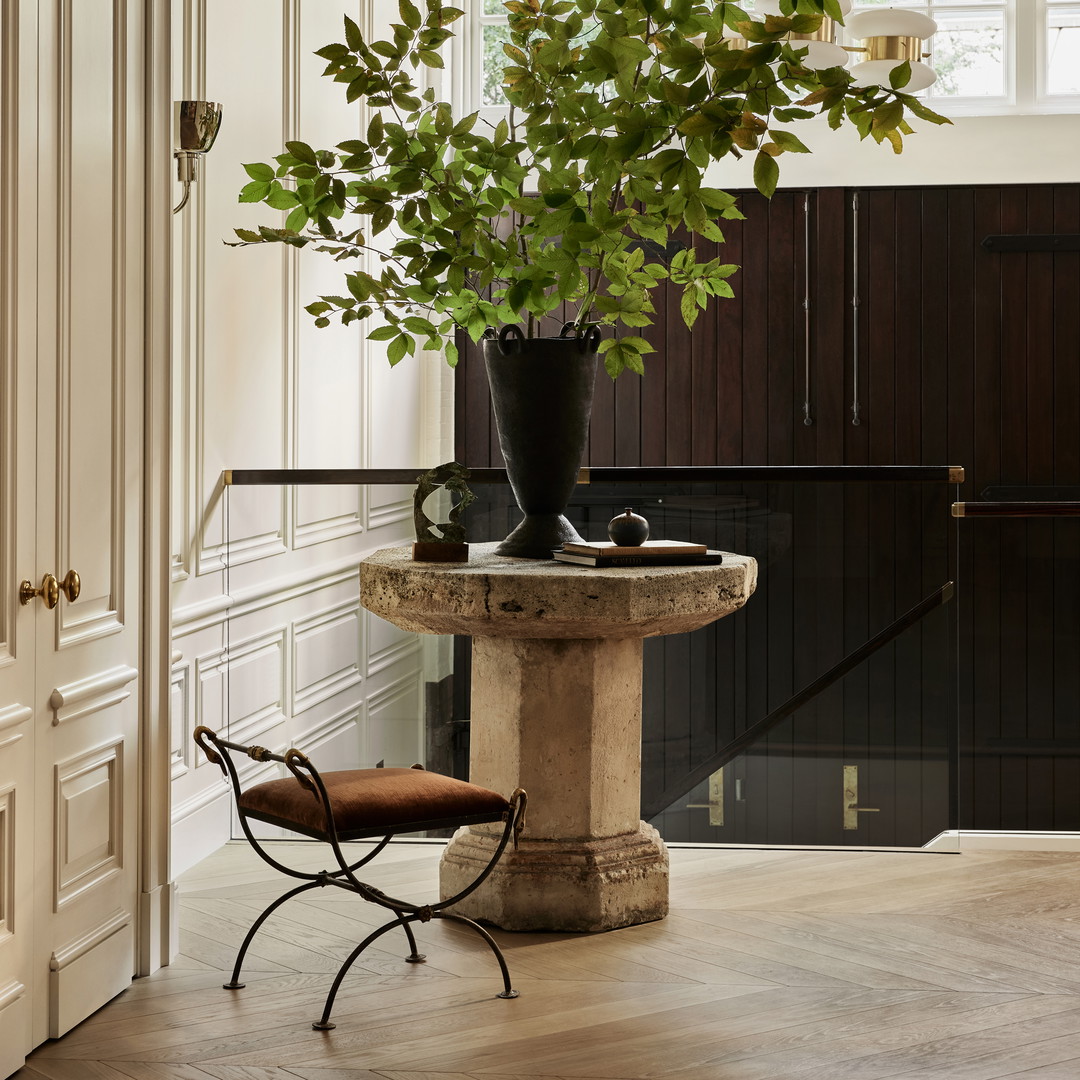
<point>628,529</point>
<point>508,994</point>
<point>416,958</point>
<point>233,986</point>
<point>323,1025</point>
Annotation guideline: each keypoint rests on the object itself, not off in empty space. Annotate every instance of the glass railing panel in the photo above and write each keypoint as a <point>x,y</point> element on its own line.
<point>840,561</point>
<point>1020,550</point>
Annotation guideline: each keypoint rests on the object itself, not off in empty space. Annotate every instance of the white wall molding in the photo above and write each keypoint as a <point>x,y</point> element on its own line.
<point>267,593</point>
<point>336,623</point>
<point>967,840</point>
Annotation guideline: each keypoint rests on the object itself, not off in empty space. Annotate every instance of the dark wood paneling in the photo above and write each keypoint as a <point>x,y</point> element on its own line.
<point>966,356</point>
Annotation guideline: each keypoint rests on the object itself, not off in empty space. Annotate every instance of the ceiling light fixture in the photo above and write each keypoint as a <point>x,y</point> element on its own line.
<point>888,36</point>
<point>822,50</point>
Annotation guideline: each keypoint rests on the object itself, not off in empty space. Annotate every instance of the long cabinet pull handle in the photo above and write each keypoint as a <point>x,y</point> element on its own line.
<point>856,419</point>
<point>808,418</point>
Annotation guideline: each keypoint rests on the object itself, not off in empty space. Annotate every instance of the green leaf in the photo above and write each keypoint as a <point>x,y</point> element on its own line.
<point>451,354</point>
<point>383,333</point>
<point>256,191</point>
<point>396,350</point>
<point>900,75</point>
<point>381,218</point>
<point>280,198</point>
<point>430,58</point>
<point>786,141</point>
<point>888,117</point>
<point>353,36</point>
<point>297,219</point>
<point>259,171</point>
<point>302,152</point>
<point>766,174</point>
<point>375,130</point>
<point>923,113</point>
<point>410,14</point>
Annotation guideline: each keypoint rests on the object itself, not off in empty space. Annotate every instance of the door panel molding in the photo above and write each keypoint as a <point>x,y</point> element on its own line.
<point>101,959</point>
<point>92,314</point>
<point>8,913</point>
<point>15,714</point>
<point>92,694</point>
<point>88,842</point>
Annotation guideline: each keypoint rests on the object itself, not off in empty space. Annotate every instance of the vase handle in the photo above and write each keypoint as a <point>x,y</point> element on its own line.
<point>587,340</point>
<point>590,340</point>
<point>511,339</point>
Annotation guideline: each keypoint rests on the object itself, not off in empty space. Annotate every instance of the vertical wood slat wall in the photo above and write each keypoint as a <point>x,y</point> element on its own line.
<point>965,357</point>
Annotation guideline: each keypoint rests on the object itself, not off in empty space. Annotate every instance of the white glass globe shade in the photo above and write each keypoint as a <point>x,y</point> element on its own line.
<point>890,22</point>
<point>823,54</point>
<point>876,73</point>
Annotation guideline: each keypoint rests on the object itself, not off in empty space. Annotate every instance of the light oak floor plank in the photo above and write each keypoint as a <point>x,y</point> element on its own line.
<point>773,965</point>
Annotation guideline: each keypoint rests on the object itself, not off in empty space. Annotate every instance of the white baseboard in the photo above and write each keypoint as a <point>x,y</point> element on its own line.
<point>988,840</point>
<point>199,832</point>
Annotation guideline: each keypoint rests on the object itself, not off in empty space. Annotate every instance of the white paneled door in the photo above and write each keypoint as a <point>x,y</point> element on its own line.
<point>72,283</point>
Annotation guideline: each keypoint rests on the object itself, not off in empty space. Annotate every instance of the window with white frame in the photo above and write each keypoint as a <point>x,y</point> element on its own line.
<point>991,56</point>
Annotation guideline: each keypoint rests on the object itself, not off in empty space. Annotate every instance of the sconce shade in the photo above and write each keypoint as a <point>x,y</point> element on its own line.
<point>890,36</point>
<point>197,124</point>
<point>890,22</point>
<point>876,73</point>
<point>823,54</point>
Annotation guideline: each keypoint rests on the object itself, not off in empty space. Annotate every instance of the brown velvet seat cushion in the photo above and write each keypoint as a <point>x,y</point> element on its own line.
<point>373,802</point>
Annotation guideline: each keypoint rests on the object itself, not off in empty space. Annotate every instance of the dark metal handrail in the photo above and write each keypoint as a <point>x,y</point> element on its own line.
<point>737,474</point>
<point>1045,508</point>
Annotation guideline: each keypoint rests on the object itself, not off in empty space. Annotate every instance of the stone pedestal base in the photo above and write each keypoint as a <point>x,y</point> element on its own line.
<point>556,710</point>
<point>561,885</point>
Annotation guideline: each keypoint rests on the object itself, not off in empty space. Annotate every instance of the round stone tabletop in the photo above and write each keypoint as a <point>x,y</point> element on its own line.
<point>494,596</point>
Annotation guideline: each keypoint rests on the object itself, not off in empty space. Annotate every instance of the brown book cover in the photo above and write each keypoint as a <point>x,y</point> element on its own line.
<point>705,558</point>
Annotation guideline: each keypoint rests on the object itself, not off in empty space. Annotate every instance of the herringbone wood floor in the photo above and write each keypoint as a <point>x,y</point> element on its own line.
<point>808,965</point>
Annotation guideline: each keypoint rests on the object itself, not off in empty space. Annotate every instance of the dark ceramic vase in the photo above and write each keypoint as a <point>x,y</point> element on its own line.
<point>541,391</point>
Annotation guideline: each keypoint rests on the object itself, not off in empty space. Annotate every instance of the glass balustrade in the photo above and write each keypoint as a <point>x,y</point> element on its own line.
<point>822,713</point>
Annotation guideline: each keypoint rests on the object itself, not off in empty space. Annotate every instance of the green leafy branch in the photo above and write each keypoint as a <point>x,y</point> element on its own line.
<point>618,108</point>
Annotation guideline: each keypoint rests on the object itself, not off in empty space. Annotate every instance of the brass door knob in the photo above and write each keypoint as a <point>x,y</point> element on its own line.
<point>49,592</point>
<point>71,586</point>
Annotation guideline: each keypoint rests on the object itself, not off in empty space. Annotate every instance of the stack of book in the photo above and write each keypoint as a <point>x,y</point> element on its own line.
<point>650,553</point>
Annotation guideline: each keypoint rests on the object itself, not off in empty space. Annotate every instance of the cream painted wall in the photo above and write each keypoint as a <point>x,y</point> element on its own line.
<point>1013,149</point>
<point>268,633</point>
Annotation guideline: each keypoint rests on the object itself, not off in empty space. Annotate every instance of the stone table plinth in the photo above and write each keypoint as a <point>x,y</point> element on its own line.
<point>556,709</point>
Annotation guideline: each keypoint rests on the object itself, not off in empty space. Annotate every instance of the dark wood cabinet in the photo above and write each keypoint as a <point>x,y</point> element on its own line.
<point>954,355</point>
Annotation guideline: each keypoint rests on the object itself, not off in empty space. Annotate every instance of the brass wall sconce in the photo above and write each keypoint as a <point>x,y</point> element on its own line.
<point>197,124</point>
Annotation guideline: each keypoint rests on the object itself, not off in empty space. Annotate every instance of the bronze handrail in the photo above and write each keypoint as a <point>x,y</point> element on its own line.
<point>737,474</point>
<point>1045,508</point>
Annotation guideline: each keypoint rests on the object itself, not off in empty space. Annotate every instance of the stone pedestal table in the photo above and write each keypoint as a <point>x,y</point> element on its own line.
<point>556,709</point>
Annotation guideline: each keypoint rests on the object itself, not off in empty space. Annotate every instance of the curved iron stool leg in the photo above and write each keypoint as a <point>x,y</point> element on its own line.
<point>324,1024</point>
<point>508,991</point>
<point>306,887</point>
<point>414,957</point>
